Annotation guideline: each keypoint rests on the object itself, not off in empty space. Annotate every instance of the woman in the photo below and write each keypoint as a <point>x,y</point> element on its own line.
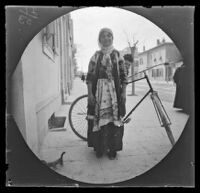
<point>106,80</point>
<point>83,77</point>
<point>179,96</point>
<point>182,98</point>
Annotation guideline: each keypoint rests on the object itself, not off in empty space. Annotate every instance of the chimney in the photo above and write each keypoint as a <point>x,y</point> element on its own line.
<point>143,48</point>
<point>158,42</point>
<point>163,41</point>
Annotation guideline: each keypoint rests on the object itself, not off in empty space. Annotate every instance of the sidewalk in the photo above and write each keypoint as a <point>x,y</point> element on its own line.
<point>145,144</point>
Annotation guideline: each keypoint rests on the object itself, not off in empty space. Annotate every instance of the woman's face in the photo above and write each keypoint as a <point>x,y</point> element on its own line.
<point>106,39</point>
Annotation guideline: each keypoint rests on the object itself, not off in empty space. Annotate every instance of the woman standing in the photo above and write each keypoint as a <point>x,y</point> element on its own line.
<point>106,80</point>
<point>179,101</point>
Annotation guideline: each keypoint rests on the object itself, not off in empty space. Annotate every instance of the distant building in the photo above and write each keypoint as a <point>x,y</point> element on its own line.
<point>43,79</point>
<point>163,52</point>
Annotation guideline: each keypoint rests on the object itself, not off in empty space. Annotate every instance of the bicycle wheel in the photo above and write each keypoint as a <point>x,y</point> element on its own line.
<point>77,117</point>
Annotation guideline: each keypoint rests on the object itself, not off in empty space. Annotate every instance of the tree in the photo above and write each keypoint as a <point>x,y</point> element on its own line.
<point>132,48</point>
<point>128,61</point>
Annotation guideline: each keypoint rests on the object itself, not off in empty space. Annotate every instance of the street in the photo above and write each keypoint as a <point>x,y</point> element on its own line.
<point>166,91</point>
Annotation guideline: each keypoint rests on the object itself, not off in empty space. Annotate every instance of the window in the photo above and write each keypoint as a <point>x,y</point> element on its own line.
<point>56,48</point>
<point>141,61</point>
<point>153,73</point>
<point>161,72</point>
<point>157,72</point>
<point>150,56</point>
<point>50,40</point>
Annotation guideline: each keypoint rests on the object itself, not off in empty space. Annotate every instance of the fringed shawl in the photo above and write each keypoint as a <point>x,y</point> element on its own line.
<point>118,71</point>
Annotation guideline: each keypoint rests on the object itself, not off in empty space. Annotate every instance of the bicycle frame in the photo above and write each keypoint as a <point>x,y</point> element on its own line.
<point>153,94</point>
<point>160,111</point>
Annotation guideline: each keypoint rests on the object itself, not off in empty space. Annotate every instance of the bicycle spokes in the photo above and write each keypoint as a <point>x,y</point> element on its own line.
<point>78,117</point>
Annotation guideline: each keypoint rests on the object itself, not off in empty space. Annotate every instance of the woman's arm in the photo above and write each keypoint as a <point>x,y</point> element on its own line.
<point>90,79</point>
<point>91,98</point>
<point>123,76</point>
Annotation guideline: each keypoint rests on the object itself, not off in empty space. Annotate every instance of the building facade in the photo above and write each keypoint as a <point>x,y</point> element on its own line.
<point>164,53</point>
<point>43,80</point>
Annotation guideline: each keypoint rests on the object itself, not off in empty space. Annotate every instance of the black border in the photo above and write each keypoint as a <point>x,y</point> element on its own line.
<point>176,169</point>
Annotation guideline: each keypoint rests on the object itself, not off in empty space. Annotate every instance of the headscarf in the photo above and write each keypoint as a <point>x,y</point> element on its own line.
<point>109,49</point>
<point>106,61</point>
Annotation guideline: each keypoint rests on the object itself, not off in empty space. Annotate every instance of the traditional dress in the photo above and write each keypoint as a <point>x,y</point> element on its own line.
<point>183,95</point>
<point>106,73</point>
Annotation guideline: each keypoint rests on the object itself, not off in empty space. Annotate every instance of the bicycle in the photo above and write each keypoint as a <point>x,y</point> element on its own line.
<point>79,108</point>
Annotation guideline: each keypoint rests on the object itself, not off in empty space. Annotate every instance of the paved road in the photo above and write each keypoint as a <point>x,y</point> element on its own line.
<point>166,90</point>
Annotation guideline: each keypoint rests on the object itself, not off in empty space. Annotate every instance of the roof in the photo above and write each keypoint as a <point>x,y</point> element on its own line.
<point>160,45</point>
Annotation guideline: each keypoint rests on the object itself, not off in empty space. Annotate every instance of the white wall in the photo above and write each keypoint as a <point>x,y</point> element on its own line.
<point>36,92</point>
<point>37,87</point>
<point>43,72</point>
<point>155,54</point>
<point>145,63</point>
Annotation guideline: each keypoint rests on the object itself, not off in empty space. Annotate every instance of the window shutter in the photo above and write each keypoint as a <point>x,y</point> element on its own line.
<point>50,30</point>
<point>48,40</point>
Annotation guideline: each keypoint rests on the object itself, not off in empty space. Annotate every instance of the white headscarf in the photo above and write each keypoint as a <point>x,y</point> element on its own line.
<point>109,49</point>
<point>106,61</point>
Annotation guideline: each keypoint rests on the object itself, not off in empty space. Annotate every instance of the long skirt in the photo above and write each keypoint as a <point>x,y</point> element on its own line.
<point>104,130</point>
<point>108,138</point>
<point>180,97</point>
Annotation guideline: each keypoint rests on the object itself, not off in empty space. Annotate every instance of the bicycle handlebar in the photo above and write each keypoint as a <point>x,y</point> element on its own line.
<point>143,71</point>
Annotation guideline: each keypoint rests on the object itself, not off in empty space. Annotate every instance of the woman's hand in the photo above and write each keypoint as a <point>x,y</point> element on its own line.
<point>91,99</point>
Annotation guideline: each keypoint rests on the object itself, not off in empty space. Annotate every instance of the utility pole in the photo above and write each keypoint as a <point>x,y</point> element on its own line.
<point>132,66</point>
